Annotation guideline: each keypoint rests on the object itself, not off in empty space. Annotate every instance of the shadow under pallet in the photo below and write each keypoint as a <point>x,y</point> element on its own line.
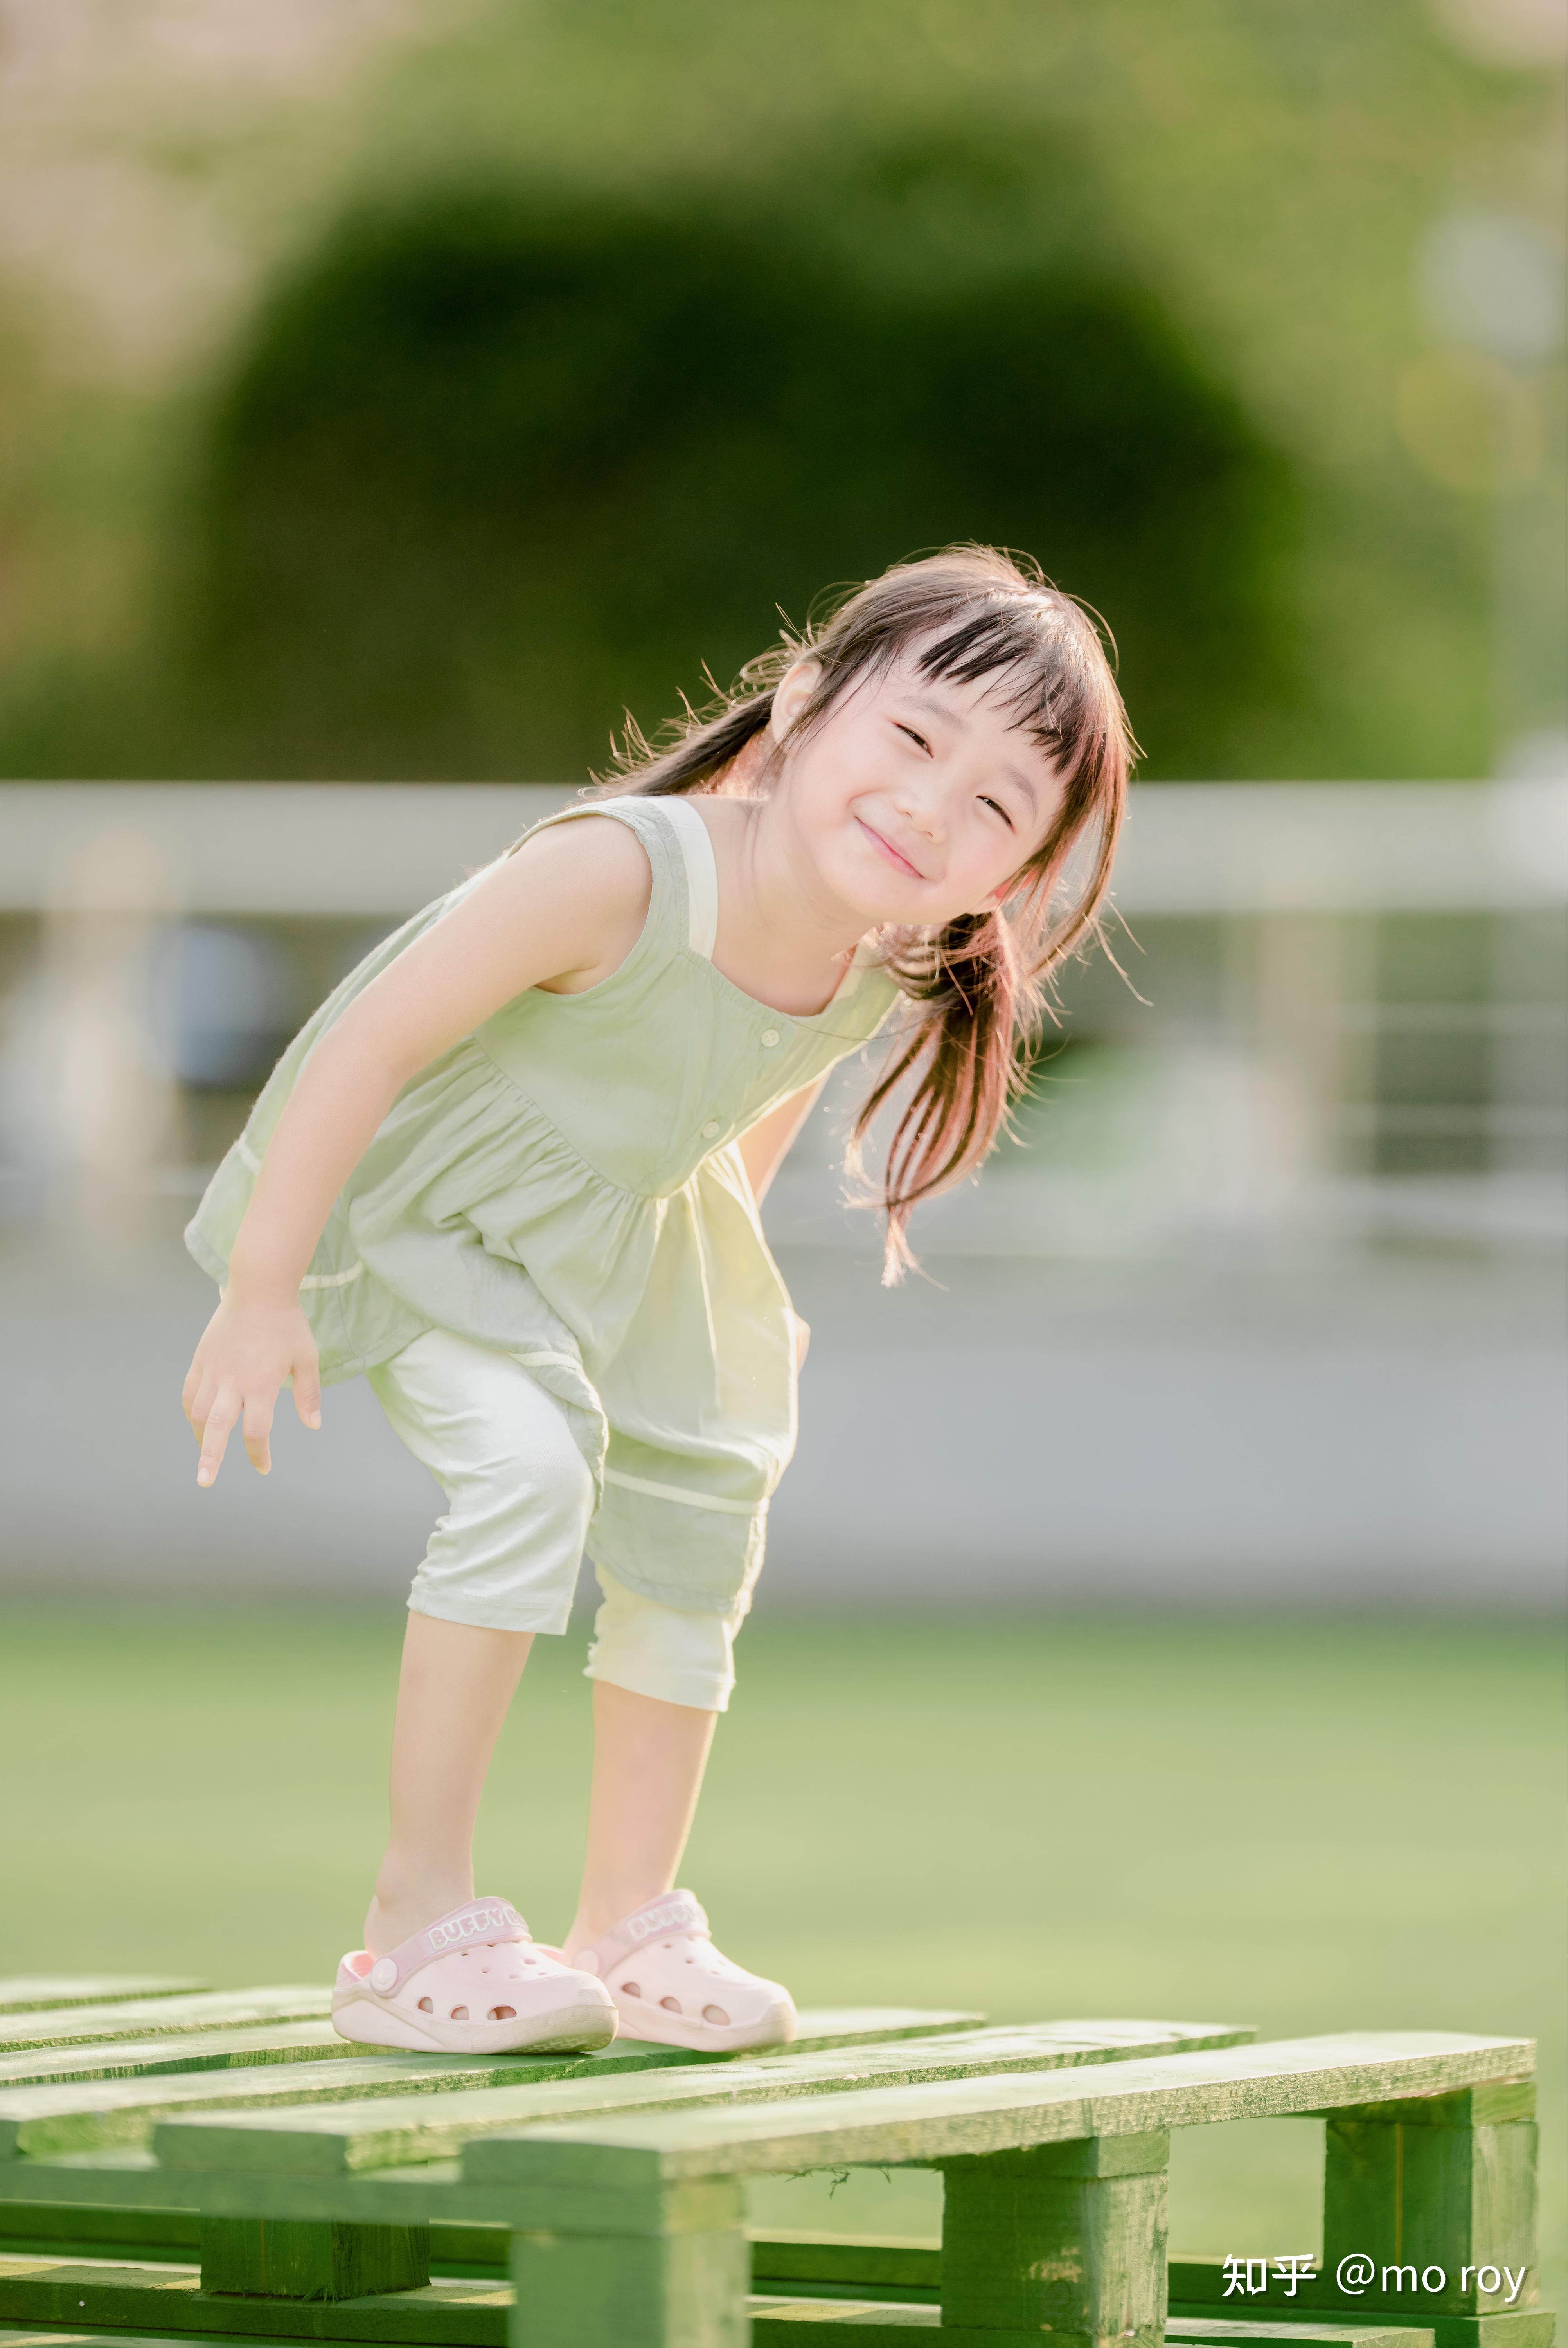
<point>178,2164</point>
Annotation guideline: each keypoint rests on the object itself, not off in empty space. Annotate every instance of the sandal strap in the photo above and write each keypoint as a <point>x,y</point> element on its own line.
<point>478,1923</point>
<point>673,1911</point>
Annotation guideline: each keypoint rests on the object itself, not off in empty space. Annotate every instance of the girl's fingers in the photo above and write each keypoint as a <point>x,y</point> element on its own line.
<point>308,1393</point>
<point>258,1428</point>
<point>215,1436</point>
<point>199,1392</point>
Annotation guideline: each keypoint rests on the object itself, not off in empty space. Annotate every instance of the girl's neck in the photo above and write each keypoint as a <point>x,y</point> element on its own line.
<point>780,938</point>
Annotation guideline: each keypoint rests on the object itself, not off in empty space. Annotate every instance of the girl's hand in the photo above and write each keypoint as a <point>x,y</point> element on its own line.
<point>252,1345</point>
<point>801,1340</point>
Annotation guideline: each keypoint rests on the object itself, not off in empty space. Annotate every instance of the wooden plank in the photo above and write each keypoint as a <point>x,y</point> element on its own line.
<point>1434,2207</point>
<point>31,2336</point>
<point>268,2257</point>
<point>858,2025</point>
<point>146,2017</point>
<point>1532,2329</point>
<point>201,2050</point>
<point>769,2310</point>
<point>863,2025</point>
<point>88,2231</point>
<point>770,2316</point>
<point>856,2323</point>
<point>317,2141</point>
<point>51,2229</point>
<point>12,2336</point>
<point>931,2123</point>
<point>1486,2106</point>
<point>133,2180</point>
<point>35,1992</point>
<point>675,2289</point>
<point>1223,2331</point>
<point>1197,2295</point>
<point>867,2324</point>
<point>863,2265</point>
<point>170,2300</point>
<point>66,2336</point>
<point>1142,2037</point>
<point>1065,2239</point>
<point>87,2116</point>
<point>317,2041</point>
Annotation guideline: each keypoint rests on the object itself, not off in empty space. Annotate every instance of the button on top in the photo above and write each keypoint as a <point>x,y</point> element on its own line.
<point>770,1037</point>
<point>711,1128</point>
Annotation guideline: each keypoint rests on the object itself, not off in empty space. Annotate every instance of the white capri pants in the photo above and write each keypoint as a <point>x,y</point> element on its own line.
<point>506,1555</point>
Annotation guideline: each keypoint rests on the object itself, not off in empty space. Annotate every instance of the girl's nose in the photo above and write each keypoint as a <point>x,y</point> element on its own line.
<point>924,817</point>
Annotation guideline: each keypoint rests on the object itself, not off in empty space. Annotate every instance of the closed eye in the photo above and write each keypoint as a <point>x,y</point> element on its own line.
<point>1002,811</point>
<point>918,739</point>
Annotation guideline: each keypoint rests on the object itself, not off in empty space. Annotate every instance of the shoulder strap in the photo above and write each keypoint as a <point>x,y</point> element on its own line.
<point>676,824</point>
<point>701,870</point>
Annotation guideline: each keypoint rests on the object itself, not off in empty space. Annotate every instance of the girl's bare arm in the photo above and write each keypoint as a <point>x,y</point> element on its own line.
<point>563,914</point>
<point>764,1148</point>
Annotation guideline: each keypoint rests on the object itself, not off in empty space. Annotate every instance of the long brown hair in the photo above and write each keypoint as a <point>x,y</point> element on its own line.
<point>982,981</point>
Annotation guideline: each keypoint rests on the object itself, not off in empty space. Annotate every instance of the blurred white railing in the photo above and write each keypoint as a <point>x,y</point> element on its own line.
<point>139,920</point>
<point>368,849</point>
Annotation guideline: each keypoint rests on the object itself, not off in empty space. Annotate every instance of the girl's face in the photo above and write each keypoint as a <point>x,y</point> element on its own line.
<point>916,798</point>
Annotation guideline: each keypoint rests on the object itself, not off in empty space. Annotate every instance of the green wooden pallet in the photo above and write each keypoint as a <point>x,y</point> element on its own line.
<point>26,1992</point>
<point>182,2164</point>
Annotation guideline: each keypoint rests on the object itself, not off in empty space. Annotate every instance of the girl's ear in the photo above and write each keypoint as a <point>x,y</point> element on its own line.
<point>791,694</point>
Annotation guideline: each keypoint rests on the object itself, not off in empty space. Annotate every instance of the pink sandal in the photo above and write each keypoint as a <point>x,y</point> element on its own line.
<point>671,1984</point>
<point>474,1983</point>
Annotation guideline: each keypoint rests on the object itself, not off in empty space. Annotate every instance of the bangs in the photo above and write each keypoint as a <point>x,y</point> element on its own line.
<point>1038,655</point>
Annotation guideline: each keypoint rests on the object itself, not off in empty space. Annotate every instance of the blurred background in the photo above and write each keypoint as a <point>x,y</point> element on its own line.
<point>397,392</point>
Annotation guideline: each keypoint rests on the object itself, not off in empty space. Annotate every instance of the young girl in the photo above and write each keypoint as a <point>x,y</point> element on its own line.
<point>511,1169</point>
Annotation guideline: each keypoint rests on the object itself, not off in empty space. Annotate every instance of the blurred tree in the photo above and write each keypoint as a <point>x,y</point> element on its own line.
<point>498,464</point>
<point>1275,170</point>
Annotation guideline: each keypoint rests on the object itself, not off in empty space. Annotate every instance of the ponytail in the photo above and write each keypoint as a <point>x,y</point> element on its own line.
<point>705,748</point>
<point>960,1053</point>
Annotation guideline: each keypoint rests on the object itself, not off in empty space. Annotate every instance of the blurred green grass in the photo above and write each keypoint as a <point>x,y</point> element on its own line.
<point>1355,1824</point>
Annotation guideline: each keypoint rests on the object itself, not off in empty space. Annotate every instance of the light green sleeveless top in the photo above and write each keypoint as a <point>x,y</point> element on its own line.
<point>564,1184</point>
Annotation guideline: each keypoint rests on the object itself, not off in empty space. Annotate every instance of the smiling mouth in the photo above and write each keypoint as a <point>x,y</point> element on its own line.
<point>900,863</point>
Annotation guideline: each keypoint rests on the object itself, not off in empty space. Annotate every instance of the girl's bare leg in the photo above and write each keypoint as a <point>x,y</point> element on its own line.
<point>452,1692</point>
<point>648,1762</point>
